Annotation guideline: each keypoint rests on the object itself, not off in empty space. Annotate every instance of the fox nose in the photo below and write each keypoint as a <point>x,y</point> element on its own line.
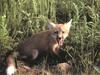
<point>59,38</point>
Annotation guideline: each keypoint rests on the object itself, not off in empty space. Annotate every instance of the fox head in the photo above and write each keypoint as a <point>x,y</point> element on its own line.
<point>61,31</point>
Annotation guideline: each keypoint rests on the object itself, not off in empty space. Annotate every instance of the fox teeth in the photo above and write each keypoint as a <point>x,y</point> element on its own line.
<point>61,42</point>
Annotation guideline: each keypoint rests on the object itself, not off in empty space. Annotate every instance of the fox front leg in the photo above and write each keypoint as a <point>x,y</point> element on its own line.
<point>35,54</point>
<point>55,49</point>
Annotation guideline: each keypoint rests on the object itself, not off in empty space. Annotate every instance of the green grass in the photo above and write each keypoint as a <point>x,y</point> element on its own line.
<point>20,18</point>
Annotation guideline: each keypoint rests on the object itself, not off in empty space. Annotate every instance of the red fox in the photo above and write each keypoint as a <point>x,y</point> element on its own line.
<point>48,41</point>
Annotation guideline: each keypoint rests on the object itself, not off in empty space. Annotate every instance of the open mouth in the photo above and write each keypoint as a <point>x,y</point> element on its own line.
<point>60,41</point>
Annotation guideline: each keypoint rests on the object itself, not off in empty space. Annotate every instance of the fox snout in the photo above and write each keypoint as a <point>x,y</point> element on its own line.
<point>60,41</point>
<point>59,38</point>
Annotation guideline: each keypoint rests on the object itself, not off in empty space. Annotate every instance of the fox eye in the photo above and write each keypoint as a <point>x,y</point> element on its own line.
<point>56,32</point>
<point>63,32</point>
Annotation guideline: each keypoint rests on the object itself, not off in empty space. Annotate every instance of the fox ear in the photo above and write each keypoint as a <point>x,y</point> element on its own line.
<point>68,24</point>
<point>51,25</point>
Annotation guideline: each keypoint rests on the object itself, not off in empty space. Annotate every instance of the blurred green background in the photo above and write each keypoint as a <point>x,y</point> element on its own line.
<point>21,18</point>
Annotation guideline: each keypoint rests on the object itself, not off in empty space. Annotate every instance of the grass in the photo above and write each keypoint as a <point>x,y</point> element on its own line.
<point>21,18</point>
